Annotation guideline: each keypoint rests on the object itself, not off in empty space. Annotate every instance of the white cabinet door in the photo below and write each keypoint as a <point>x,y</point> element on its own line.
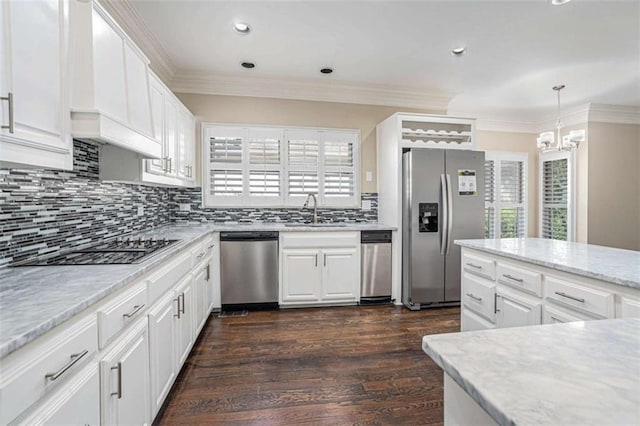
<point>125,379</point>
<point>629,308</point>
<point>137,91</point>
<point>162,342</point>
<point>201,298</point>
<point>340,274</point>
<point>34,68</point>
<point>214,277</point>
<point>184,293</point>
<point>553,315</point>
<point>75,403</point>
<point>181,147</point>
<point>514,311</point>
<point>300,275</point>
<point>158,96</point>
<point>171,135</point>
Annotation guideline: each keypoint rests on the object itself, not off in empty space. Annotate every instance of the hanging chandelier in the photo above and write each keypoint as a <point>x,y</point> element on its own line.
<point>547,141</point>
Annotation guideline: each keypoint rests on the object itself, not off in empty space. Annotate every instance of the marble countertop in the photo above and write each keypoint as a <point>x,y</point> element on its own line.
<point>35,299</point>
<point>613,265</point>
<point>585,373</point>
<point>282,227</point>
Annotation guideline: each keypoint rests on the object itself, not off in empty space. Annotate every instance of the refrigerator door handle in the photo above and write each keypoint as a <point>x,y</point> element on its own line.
<point>449,212</point>
<point>444,214</point>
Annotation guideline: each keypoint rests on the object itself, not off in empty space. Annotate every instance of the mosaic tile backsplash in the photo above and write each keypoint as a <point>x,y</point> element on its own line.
<point>43,212</point>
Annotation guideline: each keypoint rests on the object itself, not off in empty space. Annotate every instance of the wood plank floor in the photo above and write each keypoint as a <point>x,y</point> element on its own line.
<point>349,365</point>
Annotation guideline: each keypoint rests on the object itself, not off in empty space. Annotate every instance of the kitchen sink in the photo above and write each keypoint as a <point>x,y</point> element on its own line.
<point>317,225</point>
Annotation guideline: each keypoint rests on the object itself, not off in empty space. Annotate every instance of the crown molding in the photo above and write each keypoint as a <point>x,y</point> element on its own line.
<point>126,15</point>
<point>311,90</point>
<point>570,117</point>
<point>619,114</point>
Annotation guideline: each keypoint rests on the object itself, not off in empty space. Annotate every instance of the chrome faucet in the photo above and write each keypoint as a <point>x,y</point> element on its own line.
<point>315,206</point>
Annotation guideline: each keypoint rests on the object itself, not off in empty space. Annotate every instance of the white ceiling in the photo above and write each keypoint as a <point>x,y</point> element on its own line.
<point>516,50</point>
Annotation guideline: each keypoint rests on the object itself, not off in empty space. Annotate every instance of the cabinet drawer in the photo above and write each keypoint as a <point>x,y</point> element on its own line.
<point>479,295</point>
<point>480,265</point>
<point>577,296</point>
<point>472,322</point>
<point>520,278</point>
<point>32,372</point>
<point>551,315</point>
<point>320,239</point>
<point>200,250</point>
<point>163,280</point>
<point>125,309</point>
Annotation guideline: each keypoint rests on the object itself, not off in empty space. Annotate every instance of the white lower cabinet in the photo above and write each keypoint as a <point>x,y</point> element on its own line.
<point>163,323</point>
<point>77,402</point>
<point>470,321</point>
<point>124,372</point>
<point>300,276</point>
<point>201,298</point>
<point>184,294</point>
<point>322,276</point>
<point>516,311</point>
<point>340,274</point>
<point>629,308</point>
<point>553,315</point>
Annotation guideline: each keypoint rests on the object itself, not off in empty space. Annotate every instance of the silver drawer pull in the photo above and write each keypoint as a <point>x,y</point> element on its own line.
<point>119,391</point>
<point>476,298</point>
<point>136,309</point>
<point>74,358</point>
<point>177,299</point>
<point>520,280</point>
<point>577,299</point>
<point>200,255</point>
<point>474,266</point>
<point>211,246</point>
<point>9,99</point>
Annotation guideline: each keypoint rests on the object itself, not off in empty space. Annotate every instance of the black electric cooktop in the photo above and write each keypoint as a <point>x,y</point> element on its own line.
<point>118,251</point>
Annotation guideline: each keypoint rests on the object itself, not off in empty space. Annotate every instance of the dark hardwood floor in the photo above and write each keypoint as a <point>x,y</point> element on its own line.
<point>349,365</point>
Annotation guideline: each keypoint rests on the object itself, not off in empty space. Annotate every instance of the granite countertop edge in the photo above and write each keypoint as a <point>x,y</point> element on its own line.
<point>201,230</point>
<point>550,264</point>
<point>498,415</point>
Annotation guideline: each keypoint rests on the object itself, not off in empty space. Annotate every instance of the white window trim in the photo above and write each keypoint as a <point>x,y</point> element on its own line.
<point>571,189</point>
<point>208,129</point>
<point>497,157</point>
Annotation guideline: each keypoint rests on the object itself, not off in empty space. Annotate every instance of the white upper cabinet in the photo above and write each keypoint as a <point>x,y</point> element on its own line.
<point>111,99</point>
<point>34,84</point>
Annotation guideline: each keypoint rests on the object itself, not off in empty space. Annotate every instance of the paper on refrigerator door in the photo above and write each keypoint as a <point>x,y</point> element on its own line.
<point>467,184</point>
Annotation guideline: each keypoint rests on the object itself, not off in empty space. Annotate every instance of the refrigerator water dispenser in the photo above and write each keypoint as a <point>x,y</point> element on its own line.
<point>427,217</point>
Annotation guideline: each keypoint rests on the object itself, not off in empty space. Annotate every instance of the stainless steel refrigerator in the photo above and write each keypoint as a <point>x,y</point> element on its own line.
<point>442,201</point>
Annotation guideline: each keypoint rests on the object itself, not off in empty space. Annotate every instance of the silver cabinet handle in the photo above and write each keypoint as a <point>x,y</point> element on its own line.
<point>208,276</point>
<point>135,310</point>
<point>182,297</point>
<point>9,99</point>
<point>74,358</point>
<point>520,280</point>
<point>476,298</point>
<point>177,299</point>
<point>474,266</point>
<point>211,246</point>
<point>316,260</point>
<point>577,299</point>
<point>200,255</point>
<point>325,260</point>
<point>119,391</point>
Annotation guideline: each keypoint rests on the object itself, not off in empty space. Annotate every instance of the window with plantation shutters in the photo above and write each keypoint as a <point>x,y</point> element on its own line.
<point>556,204</point>
<point>505,195</point>
<point>278,167</point>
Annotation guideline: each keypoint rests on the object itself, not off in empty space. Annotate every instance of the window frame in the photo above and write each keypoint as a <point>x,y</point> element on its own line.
<point>246,200</point>
<point>570,156</point>
<point>497,157</point>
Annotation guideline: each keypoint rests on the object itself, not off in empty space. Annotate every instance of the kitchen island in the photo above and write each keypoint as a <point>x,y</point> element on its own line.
<point>532,281</point>
<point>585,373</point>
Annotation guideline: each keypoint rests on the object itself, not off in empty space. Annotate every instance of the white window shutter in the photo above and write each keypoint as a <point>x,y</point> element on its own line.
<point>555,198</point>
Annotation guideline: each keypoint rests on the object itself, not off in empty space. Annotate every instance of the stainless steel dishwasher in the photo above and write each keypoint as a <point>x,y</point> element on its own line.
<point>375,256</point>
<point>249,270</point>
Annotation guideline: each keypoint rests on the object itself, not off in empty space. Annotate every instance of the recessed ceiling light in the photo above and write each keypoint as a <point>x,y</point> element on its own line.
<point>241,28</point>
<point>559,2</point>
<point>248,65</point>
<point>458,51</point>
<point>326,70</point>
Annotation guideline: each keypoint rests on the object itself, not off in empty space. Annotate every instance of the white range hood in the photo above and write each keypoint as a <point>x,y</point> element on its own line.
<point>110,86</point>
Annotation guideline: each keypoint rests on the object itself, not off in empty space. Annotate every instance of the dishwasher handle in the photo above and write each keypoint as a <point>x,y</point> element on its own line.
<point>249,236</point>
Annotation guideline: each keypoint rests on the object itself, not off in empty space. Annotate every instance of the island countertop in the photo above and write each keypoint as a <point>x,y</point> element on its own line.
<point>585,373</point>
<point>613,265</point>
